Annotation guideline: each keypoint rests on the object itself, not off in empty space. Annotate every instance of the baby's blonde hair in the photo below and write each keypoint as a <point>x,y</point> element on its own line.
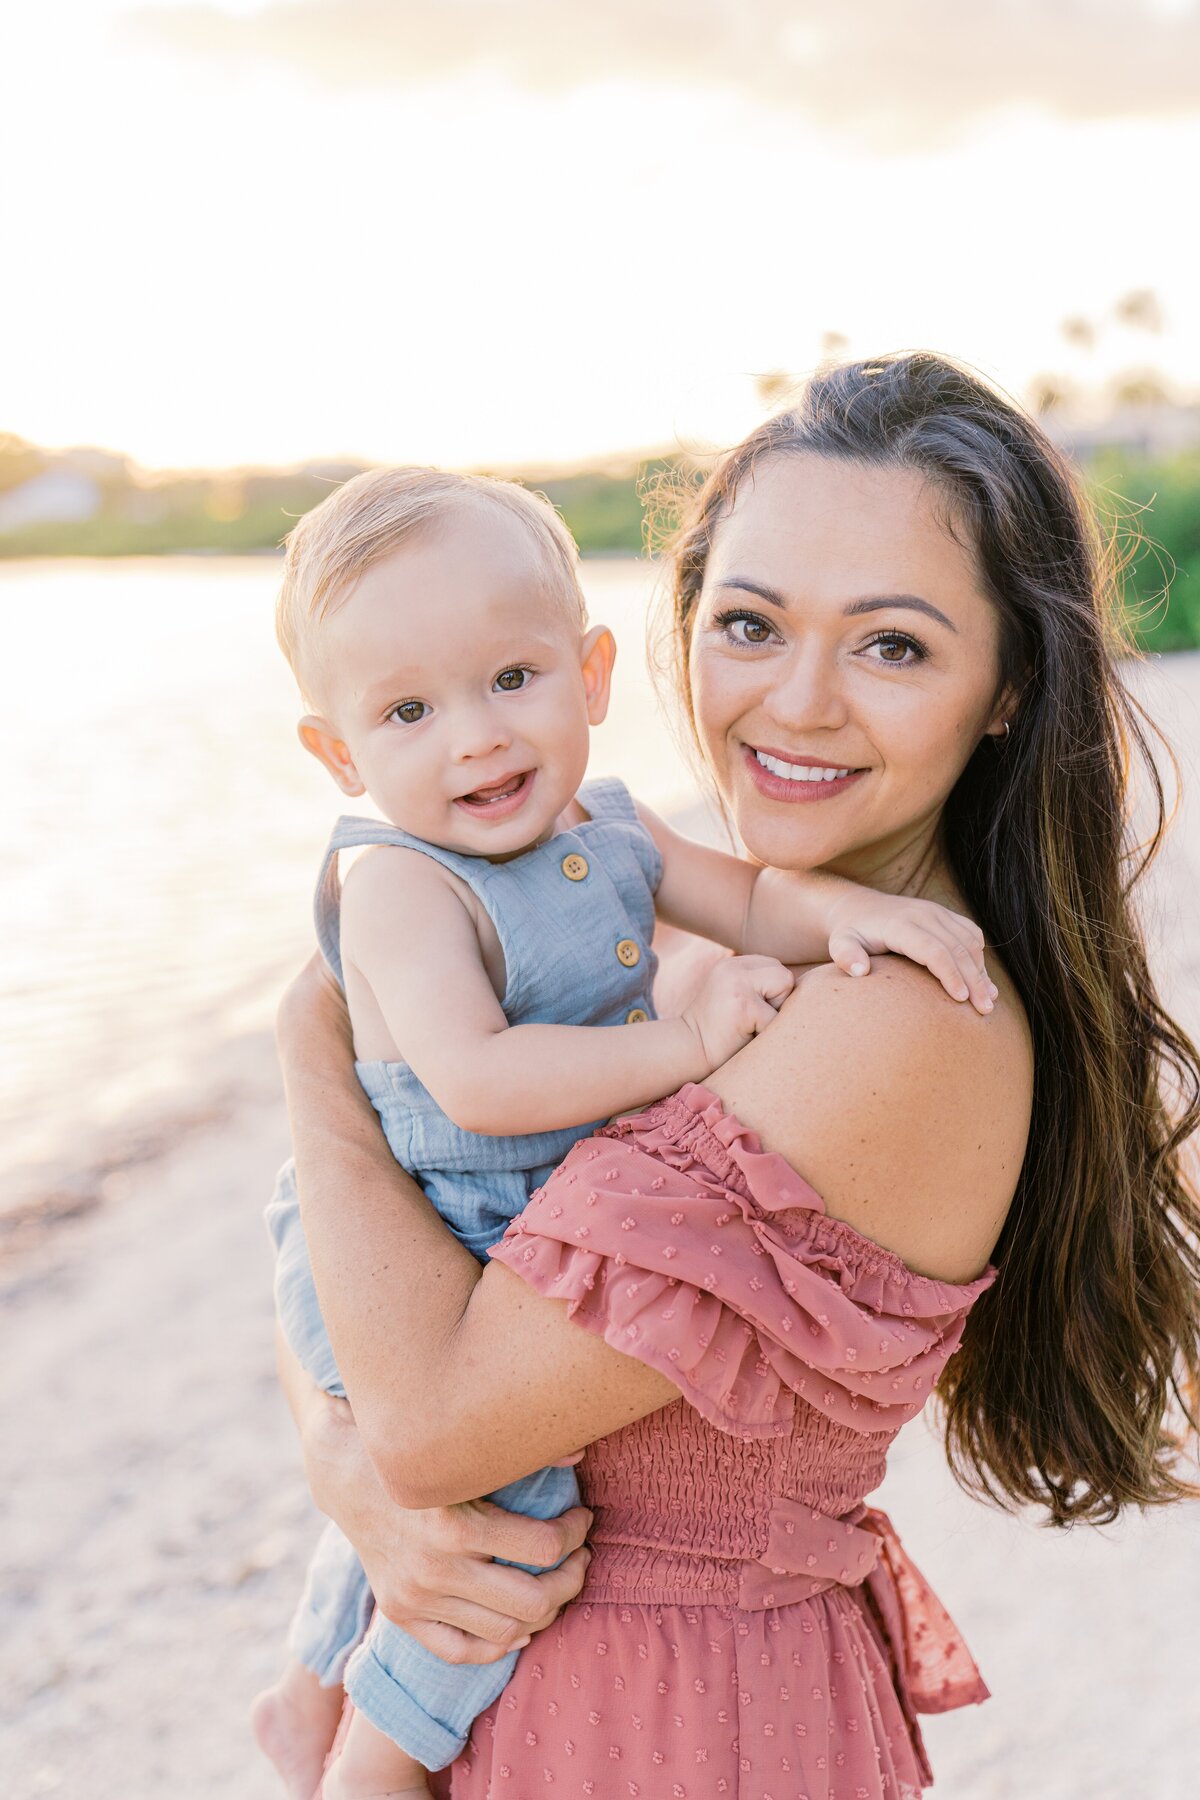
<point>369,516</point>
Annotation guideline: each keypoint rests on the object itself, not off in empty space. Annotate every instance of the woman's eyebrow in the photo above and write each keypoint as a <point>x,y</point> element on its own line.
<point>746,586</point>
<point>873,603</point>
<point>910,602</point>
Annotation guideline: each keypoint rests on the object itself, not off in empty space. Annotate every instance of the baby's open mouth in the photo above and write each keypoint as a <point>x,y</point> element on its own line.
<point>494,793</point>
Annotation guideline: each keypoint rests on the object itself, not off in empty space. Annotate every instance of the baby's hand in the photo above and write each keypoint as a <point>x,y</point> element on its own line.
<point>948,945</point>
<point>739,997</point>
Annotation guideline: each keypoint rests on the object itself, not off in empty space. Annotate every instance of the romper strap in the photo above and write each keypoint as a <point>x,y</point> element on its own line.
<point>608,801</point>
<point>350,833</point>
<point>608,798</point>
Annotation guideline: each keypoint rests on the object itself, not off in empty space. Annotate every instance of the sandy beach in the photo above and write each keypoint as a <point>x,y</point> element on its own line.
<point>155,1523</point>
<point>155,1526</point>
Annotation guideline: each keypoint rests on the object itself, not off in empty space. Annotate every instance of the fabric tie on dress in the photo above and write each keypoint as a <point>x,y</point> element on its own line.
<point>808,1553</point>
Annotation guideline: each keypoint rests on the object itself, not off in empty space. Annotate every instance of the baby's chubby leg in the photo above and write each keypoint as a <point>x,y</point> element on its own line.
<point>294,1724</point>
<point>370,1767</point>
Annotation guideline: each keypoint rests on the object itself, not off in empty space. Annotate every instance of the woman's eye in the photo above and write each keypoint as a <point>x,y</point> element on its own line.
<point>898,648</point>
<point>745,628</point>
<point>410,712</point>
<point>509,681</point>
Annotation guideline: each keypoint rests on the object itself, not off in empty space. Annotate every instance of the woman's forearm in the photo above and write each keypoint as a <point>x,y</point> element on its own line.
<point>433,1571</point>
<point>325,1426</point>
<point>363,1215</point>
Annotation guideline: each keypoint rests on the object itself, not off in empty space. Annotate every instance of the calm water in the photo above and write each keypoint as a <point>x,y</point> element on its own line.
<point>162,830</point>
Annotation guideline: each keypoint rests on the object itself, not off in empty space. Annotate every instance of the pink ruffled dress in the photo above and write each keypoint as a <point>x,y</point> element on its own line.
<point>748,1627</point>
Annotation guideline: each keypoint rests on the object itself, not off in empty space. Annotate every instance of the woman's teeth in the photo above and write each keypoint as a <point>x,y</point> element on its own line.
<point>798,771</point>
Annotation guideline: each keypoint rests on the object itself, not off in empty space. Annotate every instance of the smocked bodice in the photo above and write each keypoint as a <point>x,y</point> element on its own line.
<point>674,1481</point>
<point>704,1490</point>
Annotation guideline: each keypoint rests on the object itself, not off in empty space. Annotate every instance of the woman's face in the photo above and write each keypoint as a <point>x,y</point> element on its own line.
<point>844,666</point>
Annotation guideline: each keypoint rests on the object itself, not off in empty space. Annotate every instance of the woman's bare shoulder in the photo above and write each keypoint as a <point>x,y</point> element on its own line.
<point>907,1111</point>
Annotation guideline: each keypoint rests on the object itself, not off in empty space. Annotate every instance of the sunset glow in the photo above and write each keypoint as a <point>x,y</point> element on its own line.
<point>229,250</point>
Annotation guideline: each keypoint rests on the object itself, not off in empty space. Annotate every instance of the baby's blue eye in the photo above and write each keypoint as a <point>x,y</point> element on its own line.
<point>510,681</point>
<point>410,712</point>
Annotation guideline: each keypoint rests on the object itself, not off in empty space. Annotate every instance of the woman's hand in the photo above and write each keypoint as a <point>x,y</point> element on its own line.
<point>432,1572</point>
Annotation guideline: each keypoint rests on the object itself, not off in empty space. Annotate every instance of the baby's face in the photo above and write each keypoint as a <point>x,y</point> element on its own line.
<point>460,689</point>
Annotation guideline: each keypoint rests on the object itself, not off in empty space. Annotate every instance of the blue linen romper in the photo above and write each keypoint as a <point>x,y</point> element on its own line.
<point>575,918</point>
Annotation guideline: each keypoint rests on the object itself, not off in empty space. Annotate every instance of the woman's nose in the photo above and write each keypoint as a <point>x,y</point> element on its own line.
<point>806,694</point>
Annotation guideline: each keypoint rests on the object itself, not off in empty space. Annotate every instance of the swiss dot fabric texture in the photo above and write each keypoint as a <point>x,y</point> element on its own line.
<point>749,1627</point>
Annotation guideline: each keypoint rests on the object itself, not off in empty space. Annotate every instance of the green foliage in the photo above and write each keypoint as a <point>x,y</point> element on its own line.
<point>1155,508</point>
<point>220,513</point>
<point>183,529</point>
<point>602,512</point>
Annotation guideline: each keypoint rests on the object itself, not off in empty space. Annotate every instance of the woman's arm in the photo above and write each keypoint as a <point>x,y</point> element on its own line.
<point>908,1112</point>
<point>442,1573</point>
<point>459,1383</point>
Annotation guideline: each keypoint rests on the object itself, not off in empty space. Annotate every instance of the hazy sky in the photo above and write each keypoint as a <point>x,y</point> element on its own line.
<point>514,230</point>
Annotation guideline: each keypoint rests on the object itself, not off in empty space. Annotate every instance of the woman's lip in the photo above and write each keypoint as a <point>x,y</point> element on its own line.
<point>777,787</point>
<point>500,809</point>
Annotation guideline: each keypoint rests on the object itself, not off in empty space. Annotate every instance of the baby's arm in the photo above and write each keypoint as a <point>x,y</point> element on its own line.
<point>805,917</point>
<point>410,934</point>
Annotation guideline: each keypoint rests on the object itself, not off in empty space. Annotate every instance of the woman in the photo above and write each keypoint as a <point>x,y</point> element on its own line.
<point>736,1298</point>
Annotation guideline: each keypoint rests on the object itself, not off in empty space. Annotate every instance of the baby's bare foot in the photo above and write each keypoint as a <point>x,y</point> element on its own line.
<point>371,1767</point>
<point>294,1724</point>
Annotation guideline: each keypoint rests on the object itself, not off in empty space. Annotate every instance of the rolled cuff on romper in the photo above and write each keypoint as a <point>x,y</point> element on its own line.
<point>457,1691</point>
<point>334,1610</point>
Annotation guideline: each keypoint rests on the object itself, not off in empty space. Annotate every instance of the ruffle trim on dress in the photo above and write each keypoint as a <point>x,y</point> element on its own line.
<point>674,1236</point>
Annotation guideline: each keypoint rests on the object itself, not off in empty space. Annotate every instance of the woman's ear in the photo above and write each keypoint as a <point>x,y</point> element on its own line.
<point>596,659</point>
<point>321,741</point>
<point>1002,722</point>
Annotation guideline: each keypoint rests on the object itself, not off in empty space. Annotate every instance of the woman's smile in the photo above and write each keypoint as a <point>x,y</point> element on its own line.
<point>789,779</point>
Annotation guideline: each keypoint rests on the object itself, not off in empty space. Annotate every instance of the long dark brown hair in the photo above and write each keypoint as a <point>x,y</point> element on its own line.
<point>1077,1366</point>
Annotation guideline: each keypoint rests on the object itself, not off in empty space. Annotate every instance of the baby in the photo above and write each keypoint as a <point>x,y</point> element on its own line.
<point>491,944</point>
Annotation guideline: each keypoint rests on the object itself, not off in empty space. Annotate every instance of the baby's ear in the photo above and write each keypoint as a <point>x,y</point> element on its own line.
<point>596,657</point>
<point>321,740</point>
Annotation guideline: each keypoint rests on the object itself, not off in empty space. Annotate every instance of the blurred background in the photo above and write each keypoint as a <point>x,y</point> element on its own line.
<point>250,248</point>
